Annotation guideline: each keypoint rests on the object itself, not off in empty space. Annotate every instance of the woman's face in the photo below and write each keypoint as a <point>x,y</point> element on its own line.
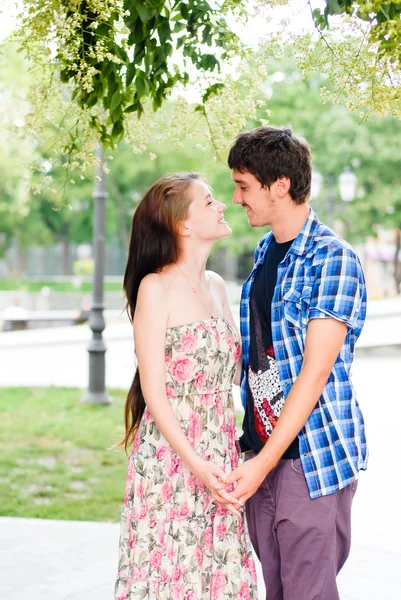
<point>205,220</point>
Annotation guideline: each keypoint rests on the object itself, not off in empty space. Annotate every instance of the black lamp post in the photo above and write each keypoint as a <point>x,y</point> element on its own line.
<point>96,392</point>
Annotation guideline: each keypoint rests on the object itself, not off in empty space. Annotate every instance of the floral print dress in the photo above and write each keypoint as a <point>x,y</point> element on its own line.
<point>176,543</point>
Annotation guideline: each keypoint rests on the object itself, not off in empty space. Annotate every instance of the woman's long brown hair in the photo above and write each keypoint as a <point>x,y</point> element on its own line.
<point>153,245</point>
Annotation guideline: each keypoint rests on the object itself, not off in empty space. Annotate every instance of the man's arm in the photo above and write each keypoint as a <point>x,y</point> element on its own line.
<point>324,339</point>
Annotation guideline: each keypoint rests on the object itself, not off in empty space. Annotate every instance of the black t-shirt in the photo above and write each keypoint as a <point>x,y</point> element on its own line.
<point>261,415</point>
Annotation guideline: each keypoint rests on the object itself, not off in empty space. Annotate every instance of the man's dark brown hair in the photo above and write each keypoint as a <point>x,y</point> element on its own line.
<point>273,152</point>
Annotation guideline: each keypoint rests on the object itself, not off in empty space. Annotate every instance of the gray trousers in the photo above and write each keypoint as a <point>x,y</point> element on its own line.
<point>301,543</point>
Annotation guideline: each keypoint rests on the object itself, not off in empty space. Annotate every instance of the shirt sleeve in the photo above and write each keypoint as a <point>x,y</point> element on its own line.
<point>338,288</point>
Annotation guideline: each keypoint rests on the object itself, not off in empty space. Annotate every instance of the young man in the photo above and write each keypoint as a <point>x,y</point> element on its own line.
<point>302,310</point>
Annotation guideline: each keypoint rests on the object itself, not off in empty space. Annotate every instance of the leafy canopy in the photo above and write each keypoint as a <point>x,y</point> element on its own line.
<point>117,54</point>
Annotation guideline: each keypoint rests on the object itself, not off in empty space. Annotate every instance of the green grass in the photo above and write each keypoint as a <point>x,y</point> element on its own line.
<point>55,461</point>
<point>55,286</point>
<point>55,456</point>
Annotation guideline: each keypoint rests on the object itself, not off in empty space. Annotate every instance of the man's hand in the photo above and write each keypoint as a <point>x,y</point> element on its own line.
<point>248,478</point>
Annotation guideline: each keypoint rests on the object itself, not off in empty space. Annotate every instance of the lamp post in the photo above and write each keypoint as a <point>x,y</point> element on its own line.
<point>96,392</point>
<point>347,183</point>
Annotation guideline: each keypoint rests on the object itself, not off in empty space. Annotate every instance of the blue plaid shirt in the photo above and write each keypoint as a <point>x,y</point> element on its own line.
<point>320,277</point>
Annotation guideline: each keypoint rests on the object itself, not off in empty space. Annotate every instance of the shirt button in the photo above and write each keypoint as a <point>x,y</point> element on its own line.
<point>279,347</point>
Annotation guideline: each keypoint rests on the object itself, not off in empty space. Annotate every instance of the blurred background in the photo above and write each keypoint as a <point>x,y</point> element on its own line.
<point>64,370</point>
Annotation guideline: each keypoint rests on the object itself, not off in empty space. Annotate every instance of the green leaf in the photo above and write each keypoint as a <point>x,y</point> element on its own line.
<point>115,100</point>
<point>145,13</point>
<point>92,100</point>
<point>141,86</point>
<point>131,108</point>
<point>213,89</point>
<point>131,70</point>
<point>118,129</point>
<point>164,30</point>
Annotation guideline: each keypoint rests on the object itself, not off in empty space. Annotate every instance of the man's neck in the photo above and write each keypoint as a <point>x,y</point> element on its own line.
<point>288,225</point>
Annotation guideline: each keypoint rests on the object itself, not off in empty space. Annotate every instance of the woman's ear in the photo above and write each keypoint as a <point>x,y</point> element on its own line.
<point>183,229</point>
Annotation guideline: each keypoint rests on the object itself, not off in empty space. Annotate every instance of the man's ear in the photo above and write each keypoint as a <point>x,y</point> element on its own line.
<point>183,229</point>
<point>283,185</point>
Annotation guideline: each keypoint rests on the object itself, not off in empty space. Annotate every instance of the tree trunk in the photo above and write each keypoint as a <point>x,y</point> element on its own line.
<point>397,264</point>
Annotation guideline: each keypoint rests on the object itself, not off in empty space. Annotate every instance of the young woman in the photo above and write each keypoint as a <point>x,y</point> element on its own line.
<point>183,536</point>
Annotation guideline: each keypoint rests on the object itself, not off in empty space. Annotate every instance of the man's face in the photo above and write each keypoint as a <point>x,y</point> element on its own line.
<point>255,199</point>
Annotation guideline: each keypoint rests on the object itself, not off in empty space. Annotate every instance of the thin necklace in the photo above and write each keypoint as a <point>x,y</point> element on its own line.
<point>196,293</point>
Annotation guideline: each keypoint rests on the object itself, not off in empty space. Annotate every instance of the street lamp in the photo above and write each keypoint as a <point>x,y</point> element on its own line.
<point>347,183</point>
<point>96,392</point>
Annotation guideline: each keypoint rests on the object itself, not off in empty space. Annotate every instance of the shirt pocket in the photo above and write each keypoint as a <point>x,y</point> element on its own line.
<point>296,302</point>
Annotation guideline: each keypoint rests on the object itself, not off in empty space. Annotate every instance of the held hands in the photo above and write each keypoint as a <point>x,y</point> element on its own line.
<point>247,479</point>
<point>216,482</point>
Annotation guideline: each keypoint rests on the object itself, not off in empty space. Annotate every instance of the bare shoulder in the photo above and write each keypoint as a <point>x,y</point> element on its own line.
<point>152,289</point>
<point>216,279</point>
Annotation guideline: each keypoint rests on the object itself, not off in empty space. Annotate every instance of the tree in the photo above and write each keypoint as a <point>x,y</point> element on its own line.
<point>355,44</point>
<point>117,57</point>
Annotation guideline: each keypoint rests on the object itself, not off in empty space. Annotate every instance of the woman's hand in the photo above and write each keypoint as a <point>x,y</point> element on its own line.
<point>216,481</point>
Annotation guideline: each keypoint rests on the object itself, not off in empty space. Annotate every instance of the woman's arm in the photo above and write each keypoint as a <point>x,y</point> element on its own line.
<point>221,289</point>
<point>150,324</point>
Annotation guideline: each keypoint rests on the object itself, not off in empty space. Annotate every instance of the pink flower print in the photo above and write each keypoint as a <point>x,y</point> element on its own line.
<point>152,523</point>
<point>181,369</point>
<point>221,530</point>
<point>253,571</point>
<point>132,541</point>
<point>170,392</point>
<point>190,595</point>
<point>174,466</point>
<point>191,484</point>
<point>217,336</point>
<point>230,341</point>
<point>198,555</point>
<point>201,487</point>
<point>139,490</point>
<point>200,380</point>
<point>166,491</point>
<point>178,572</point>
<point>167,358</point>
<point>208,538</point>
<point>161,533</point>
<point>223,427</point>
<point>148,416</point>
<point>240,528</point>
<point>219,406</point>
<point>172,514</point>
<point>165,576</point>
<point>177,591</point>
<point>188,342</point>
<point>195,427</point>
<point>144,511</point>
<point>237,353</point>
<point>171,553</point>
<point>217,585</point>
<point>244,591</point>
<point>206,501</point>
<point>220,511</point>
<point>207,400</point>
<point>184,510</point>
<point>138,574</point>
<point>201,327</point>
<point>163,453</point>
<point>137,441</point>
<point>156,558</point>
<point>231,429</point>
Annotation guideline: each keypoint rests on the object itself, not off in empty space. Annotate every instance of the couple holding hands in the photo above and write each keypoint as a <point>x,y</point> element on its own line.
<point>193,509</point>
